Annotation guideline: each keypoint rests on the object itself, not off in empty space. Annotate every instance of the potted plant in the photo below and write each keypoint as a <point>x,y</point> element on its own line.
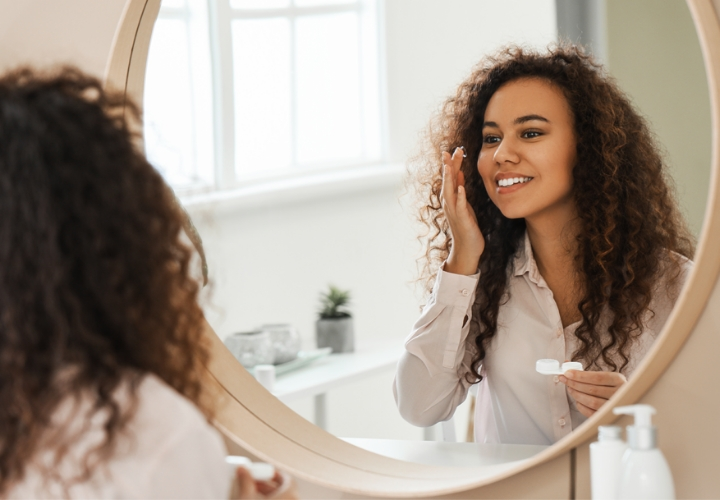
<point>334,327</point>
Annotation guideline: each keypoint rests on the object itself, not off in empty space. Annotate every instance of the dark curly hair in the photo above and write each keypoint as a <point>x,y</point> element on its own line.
<point>629,221</point>
<point>95,282</point>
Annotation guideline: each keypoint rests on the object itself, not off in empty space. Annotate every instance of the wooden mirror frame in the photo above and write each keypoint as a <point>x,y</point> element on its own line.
<point>675,376</point>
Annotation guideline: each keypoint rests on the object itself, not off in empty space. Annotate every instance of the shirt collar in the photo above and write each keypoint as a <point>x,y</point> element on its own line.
<point>524,261</point>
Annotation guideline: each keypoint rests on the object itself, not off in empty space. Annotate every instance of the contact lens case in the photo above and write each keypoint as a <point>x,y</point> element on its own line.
<point>553,367</point>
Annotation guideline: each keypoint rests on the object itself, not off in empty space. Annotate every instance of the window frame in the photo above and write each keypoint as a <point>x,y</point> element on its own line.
<point>220,16</point>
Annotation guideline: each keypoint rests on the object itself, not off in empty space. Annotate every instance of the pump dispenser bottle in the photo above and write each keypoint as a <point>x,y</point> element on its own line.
<point>645,472</point>
<point>606,462</point>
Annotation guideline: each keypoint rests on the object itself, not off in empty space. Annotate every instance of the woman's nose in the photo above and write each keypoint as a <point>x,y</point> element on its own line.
<point>506,152</point>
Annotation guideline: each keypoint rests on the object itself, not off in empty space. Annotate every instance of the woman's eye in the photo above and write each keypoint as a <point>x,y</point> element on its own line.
<point>531,134</point>
<point>491,139</point>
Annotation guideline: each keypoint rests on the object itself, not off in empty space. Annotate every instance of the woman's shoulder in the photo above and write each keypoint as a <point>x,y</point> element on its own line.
<point>159,396</point>
<point>167,449</point>
<point>172,448</point>
<point>167,412</point>
<point>672,275</point>
<point>674,270</point>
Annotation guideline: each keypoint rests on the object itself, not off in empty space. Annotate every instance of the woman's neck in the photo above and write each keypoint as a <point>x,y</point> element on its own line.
<point>554,246</point>
<point>553,236</point>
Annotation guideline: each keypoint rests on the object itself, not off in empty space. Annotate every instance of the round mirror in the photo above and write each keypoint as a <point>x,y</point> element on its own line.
<point>275,241</point>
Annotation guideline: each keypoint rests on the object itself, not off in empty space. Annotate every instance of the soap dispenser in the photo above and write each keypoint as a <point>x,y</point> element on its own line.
<point>645,472</point>
<point>605,462</point>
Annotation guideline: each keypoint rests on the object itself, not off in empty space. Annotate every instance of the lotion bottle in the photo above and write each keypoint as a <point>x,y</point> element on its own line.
<point>645,471</point>
<point>605,462</point>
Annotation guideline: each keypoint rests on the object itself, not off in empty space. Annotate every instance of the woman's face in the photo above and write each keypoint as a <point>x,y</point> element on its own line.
<point>528,151</point>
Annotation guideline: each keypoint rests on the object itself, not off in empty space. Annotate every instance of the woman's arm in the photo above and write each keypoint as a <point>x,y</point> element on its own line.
<point>430,382</point>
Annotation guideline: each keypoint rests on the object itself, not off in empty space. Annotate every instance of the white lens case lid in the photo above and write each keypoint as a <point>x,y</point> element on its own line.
<point>553,367</point>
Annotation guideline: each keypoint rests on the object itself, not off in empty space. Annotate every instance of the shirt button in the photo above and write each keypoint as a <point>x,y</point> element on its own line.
<point>464,292</point>
<point>556,379</point>
<point>561,422</point>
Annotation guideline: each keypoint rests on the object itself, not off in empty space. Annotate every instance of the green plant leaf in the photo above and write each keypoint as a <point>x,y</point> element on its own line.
<point>334,303</point>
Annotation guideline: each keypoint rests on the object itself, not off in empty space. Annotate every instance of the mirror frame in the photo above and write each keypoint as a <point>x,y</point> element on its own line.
<point>251,417</point>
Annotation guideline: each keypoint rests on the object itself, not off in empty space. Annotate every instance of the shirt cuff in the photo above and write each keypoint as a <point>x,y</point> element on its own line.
<point>454,289</point>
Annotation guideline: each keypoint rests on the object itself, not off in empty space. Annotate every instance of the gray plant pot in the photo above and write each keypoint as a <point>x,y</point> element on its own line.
<point>335,333</point>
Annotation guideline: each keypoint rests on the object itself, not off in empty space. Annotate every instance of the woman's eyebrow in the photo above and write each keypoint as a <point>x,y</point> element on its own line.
<point>518,121</point>
<point>528,118</point>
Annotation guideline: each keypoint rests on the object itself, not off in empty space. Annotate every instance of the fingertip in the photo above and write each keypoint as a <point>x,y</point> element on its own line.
<point>242,472</point>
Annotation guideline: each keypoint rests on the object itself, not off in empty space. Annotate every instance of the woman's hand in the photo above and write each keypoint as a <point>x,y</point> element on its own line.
<point>467,240</point>
<point>247,488</point>
<point>591,390</point>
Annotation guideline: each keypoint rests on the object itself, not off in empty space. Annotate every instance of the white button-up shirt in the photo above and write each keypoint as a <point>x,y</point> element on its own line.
<point>515,404</point>
<point>167,450</point>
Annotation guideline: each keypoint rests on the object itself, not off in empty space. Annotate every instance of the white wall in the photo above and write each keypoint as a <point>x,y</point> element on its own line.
<point>432,45</point>
<point>270,258</point>
<point>664,75</point>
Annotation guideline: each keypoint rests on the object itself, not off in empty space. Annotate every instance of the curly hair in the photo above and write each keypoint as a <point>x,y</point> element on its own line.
<point>630,227</point>
<point>95,282</point>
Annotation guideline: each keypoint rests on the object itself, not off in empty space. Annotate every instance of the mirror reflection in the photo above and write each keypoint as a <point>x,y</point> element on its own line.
<point>285,130</point>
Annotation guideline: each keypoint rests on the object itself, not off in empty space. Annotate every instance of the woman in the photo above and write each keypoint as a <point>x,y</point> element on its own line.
<point>553,233</point>
<point>101,334</point>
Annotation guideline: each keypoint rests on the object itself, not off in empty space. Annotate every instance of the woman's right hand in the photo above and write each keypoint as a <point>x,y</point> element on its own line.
<point>467,240</point>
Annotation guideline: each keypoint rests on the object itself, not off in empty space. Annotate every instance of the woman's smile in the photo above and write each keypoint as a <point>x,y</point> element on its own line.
<point>509,183</point>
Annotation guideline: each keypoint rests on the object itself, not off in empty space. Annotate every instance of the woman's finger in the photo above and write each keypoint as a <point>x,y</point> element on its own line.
<point>587,400</point>
<point>270,486</point>
<point>285,489</point>
<point>584,410</point>
<point>245,485</point>
<point>448,192</point>
<point>456,160</point>
<point>600,391</point>
<point>610,379</point>
<point>455,163</point>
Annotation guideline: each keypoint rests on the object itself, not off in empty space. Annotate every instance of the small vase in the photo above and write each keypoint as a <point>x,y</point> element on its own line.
<point>286,341</point>
<point>251,348</point>
<point>336,333</point>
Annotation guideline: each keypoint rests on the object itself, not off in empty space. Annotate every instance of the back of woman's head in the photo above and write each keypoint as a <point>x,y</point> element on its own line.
<point>629,219</point>
<point>94,280</point>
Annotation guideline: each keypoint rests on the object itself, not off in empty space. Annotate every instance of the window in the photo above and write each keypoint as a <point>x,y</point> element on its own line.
<point>241,90</point>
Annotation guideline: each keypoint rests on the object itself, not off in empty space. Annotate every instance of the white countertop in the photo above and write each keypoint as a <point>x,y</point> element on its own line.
<point>448,453</point>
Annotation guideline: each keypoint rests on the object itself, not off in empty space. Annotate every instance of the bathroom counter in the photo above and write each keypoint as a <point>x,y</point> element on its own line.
<point>447,453</point>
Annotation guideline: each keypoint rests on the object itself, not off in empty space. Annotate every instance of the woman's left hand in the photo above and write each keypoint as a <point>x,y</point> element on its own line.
<point>591,390</point>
